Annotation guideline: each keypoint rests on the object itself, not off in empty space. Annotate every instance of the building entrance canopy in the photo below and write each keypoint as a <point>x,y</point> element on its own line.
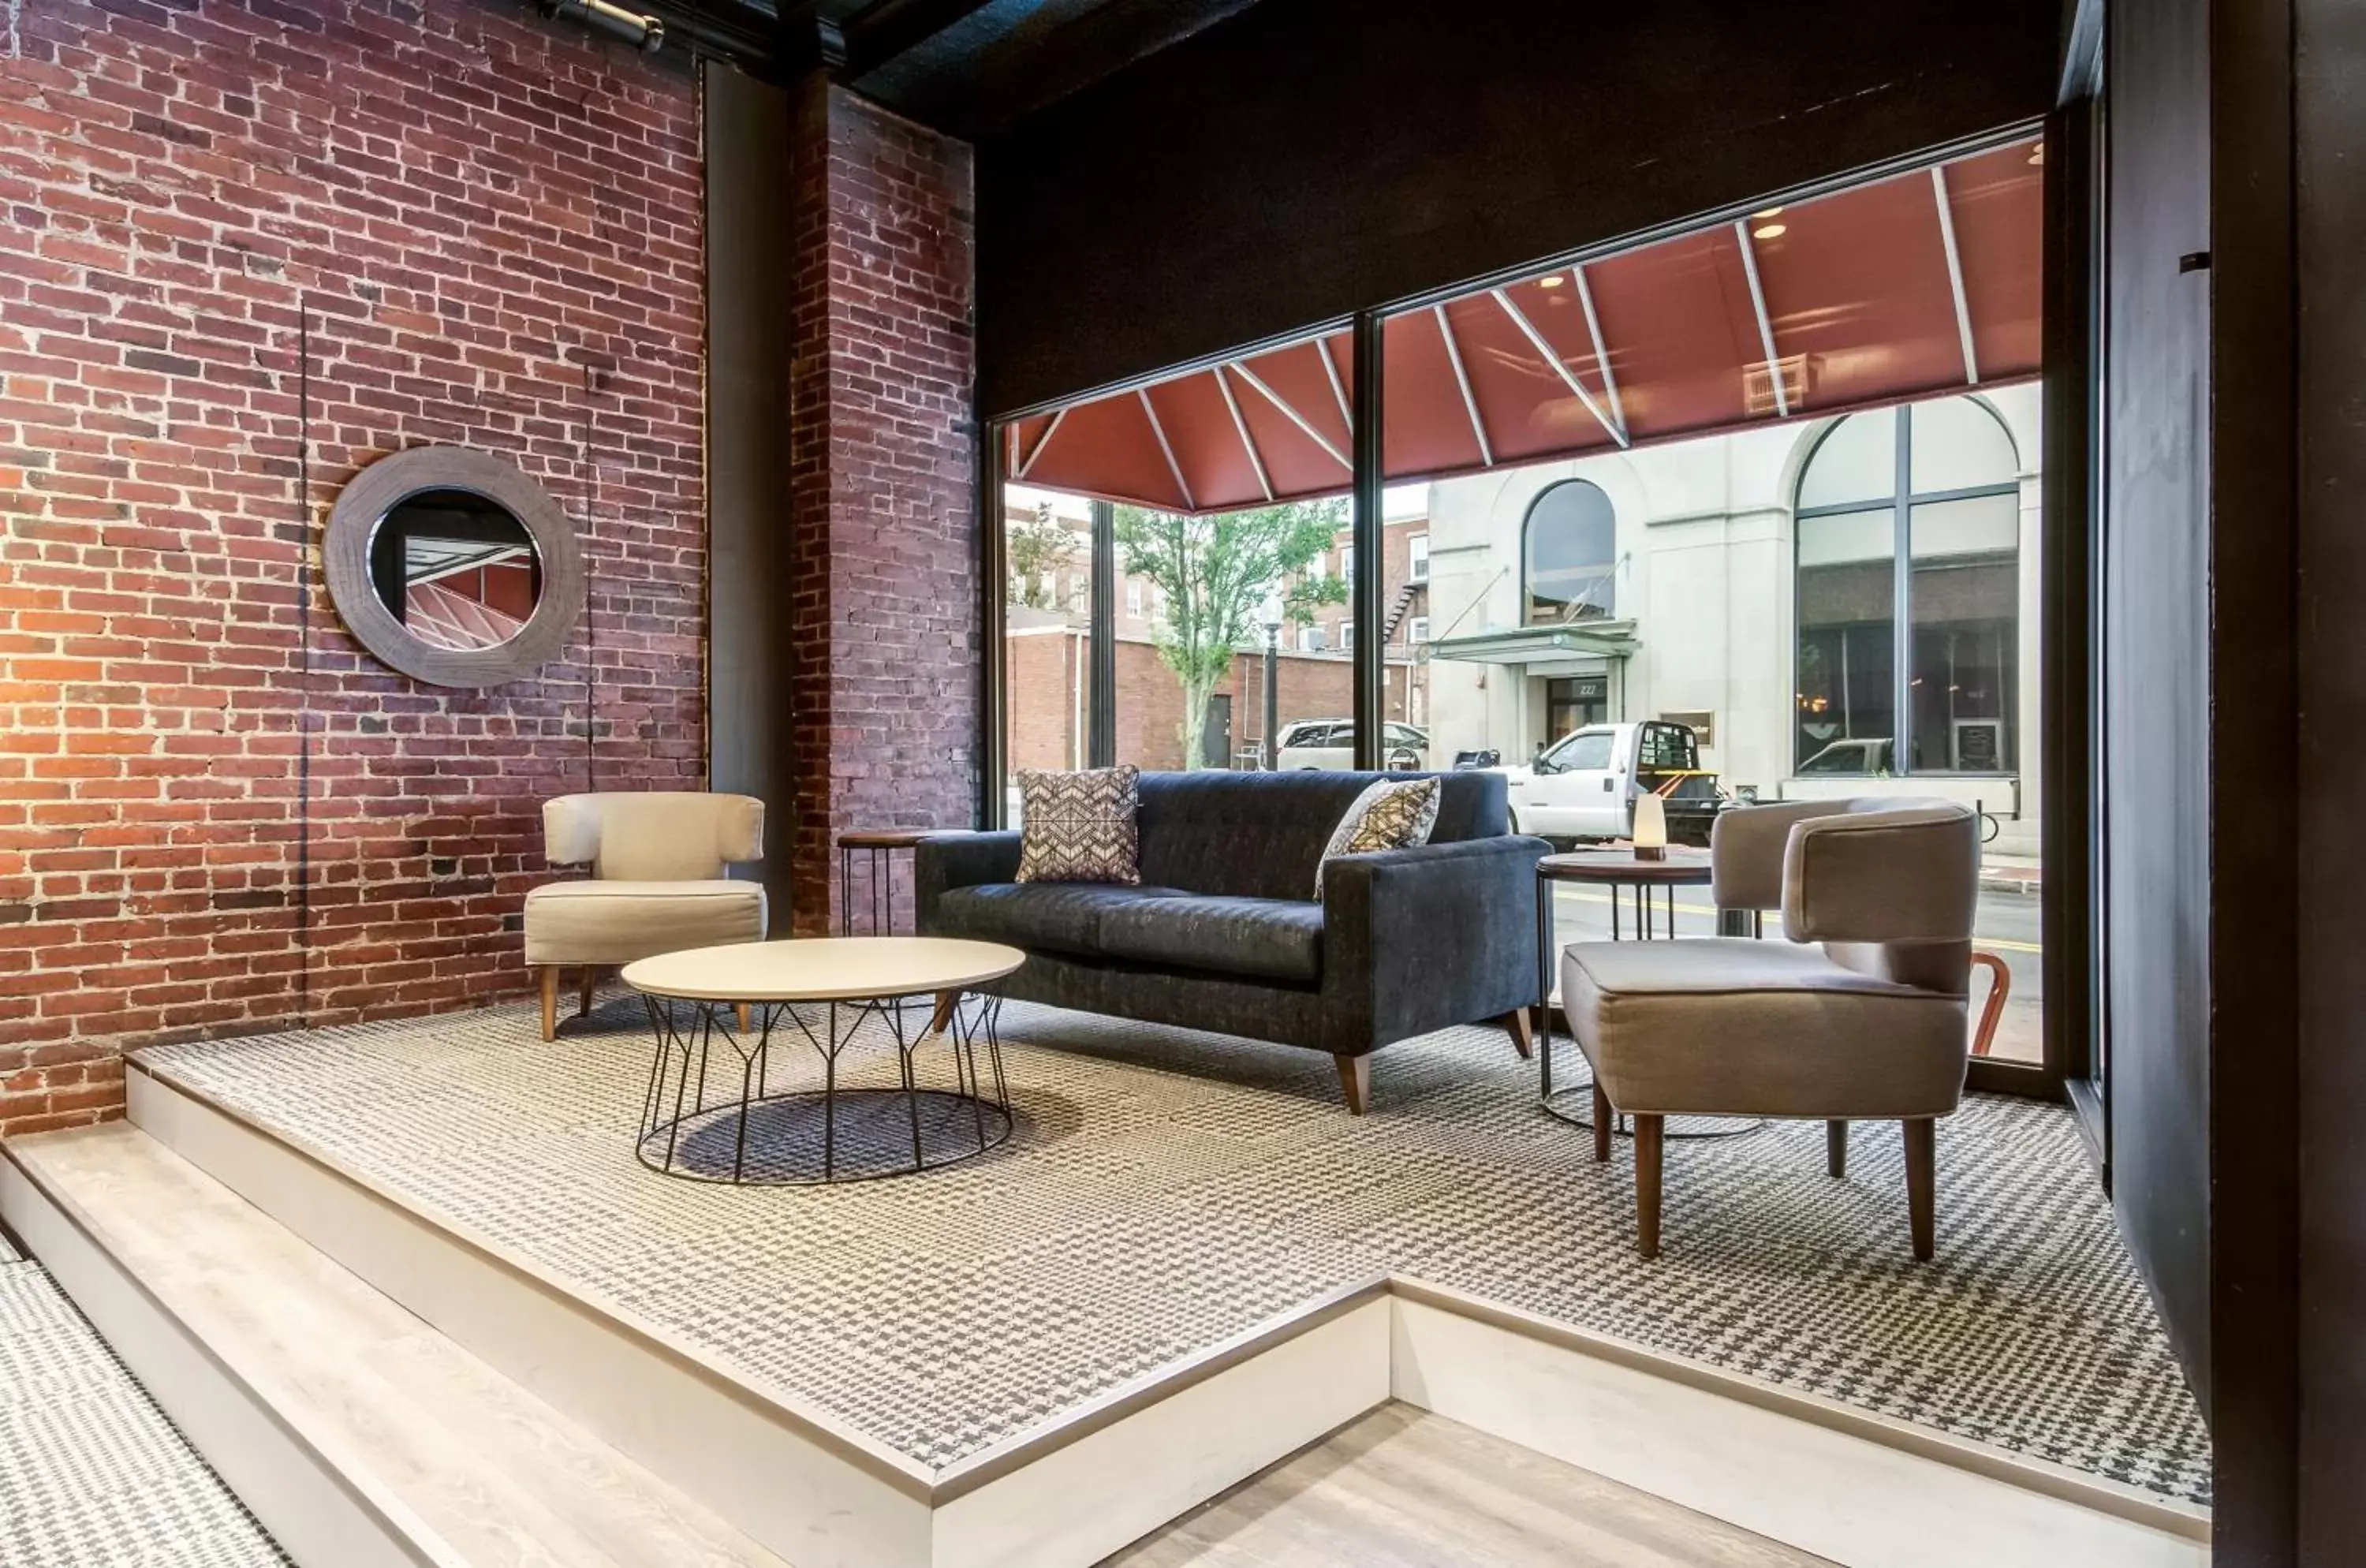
<point>1903,288</point>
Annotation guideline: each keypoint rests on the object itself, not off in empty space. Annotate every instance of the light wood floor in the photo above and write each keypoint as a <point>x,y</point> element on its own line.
<point>1404,1489</point>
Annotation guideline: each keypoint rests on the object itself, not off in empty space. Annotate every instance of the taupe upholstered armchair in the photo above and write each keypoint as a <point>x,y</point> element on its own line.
<point>1859,1016</point>
<point>658,883</point>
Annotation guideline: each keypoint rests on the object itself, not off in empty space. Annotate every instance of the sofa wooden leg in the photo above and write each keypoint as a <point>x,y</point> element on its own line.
<point>746,1017</point>
<point>1836,1148</point>
<point>1517,1024</point>
<point>583,989</point>
<point>1354,1082</point>
<point>942,1020</point>
<point>1647,1185</point>
<point>547,974</point>
<point>1602,1115</point>
<point>1921,1185</point>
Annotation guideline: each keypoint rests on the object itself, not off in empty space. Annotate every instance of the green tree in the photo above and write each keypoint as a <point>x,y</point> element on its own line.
<point>1039,550</point>
<point>1216,572</point>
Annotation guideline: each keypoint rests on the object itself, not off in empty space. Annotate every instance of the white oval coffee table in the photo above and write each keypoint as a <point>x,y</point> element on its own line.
<point>775,1127</point>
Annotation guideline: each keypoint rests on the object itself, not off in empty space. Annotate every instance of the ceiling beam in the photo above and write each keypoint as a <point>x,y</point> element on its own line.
<point>885,30</point>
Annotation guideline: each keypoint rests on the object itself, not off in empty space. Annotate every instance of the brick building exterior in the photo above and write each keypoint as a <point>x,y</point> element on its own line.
<point>217,814</point>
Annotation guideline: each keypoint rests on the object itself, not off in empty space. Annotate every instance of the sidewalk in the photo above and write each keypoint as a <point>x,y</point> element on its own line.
<point>2009,873</point>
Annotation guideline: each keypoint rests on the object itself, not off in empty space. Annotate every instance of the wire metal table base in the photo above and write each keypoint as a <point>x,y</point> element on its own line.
<point>1574,1103</point>
<point>751,1133</point>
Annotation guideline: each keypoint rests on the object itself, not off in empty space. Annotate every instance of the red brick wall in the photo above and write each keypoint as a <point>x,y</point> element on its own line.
<point>1044,678</point>
<point>217,814</point>
<point>884,657</point>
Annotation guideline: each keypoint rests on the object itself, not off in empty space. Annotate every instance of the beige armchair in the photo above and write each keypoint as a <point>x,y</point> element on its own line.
<point>658,883</point>
<point>1859,1016</point>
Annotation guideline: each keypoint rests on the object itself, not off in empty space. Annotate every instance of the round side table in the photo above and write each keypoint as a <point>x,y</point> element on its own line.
<point>879,845</point>
<point>1624,875</point>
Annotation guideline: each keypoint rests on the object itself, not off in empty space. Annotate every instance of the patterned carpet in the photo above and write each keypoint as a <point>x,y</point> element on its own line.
<point>91,1472</point>
<point>1164,1191</point>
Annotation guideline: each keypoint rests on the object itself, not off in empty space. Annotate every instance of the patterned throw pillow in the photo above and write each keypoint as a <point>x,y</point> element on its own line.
<point>1080,827</point>
<point>1392,814</point>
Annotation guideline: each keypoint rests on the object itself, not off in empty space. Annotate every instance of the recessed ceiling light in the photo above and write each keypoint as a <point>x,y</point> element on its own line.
<point>1769,232</point>
<point>1552,282</point>
<point>1768,212</point>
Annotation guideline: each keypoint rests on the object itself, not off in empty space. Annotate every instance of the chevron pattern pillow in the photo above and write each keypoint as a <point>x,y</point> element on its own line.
<point>1080,827</point>
<point>1392,814</point>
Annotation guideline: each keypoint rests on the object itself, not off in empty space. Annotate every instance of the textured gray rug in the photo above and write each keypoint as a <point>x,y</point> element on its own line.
<point>1164,1191</point>
<point>92,1475</point>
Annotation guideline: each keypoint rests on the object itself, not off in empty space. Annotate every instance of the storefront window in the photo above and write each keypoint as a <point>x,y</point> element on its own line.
<point>1918,507</point>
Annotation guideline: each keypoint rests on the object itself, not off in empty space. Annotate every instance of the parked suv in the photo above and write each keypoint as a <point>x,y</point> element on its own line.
<point>1584,786</point>
<point>1329,744</point>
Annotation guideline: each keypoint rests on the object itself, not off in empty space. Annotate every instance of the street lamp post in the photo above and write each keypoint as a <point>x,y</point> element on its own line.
<point>1270,616</point>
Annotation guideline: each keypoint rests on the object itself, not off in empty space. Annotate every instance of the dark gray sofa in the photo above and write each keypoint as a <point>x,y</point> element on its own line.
<point>1224,935</point>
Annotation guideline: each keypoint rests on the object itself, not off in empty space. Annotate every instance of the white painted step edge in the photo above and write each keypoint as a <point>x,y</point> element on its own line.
<point>324,1508</point>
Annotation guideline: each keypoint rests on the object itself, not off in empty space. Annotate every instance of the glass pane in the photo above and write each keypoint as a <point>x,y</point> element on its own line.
<point>1235,596</point>
<point>1047,546</point>
<point>1965,594</point>
<point>1571,555</point>
<point>1858,461</point>
<point>1957,445</point>
<point>1587,752</point>
<point>1845,702</point>
<point>1848,536</point>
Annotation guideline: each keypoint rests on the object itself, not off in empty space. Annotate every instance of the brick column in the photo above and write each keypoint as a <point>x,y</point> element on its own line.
<point>882,676</point>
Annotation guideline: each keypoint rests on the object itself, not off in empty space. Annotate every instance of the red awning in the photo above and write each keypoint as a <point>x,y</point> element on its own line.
<point>1905,287</point>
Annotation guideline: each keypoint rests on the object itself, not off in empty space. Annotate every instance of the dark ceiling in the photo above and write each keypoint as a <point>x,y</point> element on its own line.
<point>970,67</point>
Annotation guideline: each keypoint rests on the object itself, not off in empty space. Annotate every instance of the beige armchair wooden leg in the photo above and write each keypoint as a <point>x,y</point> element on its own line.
<point>1647,1185</point>
<point>1836,1148</point>
<point>940,1018</point>
<point>1921,1185</point>
<point>583,989</point>
<point>1356,1082</point>
<point>1517,1024</point>
<point>743,1024</point>
<point>1601,1124</point>
<point>547,974</point>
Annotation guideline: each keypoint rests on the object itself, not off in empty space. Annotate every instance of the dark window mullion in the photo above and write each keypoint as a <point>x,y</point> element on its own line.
<point>1901,724</point>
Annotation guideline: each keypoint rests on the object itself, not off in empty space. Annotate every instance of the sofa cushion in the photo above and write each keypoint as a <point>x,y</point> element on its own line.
<point>1053,917</point>
<point>1259,835</point>
<point>1279,938</point>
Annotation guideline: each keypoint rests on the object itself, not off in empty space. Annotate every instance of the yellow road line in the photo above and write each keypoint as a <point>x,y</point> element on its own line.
<point>2006,943</point>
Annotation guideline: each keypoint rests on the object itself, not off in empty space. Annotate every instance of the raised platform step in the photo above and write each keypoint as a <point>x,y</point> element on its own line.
<point>356,1432</point>
<point>1828,1480</point>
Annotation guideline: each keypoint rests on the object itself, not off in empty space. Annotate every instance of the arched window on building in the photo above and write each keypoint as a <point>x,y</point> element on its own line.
<point>1571,555</point>
<point>1914,509</point>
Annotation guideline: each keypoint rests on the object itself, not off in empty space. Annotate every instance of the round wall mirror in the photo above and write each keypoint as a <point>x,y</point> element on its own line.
<point>453,567</point>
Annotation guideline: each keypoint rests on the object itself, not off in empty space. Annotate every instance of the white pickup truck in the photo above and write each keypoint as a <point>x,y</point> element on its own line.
<point>1584,785</point>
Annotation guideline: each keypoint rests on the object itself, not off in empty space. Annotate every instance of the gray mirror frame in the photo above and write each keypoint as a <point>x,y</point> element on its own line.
<point>376,489</point>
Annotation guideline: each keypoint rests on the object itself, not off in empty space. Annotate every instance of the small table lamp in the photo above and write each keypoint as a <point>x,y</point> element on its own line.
<point>1650,828</point>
